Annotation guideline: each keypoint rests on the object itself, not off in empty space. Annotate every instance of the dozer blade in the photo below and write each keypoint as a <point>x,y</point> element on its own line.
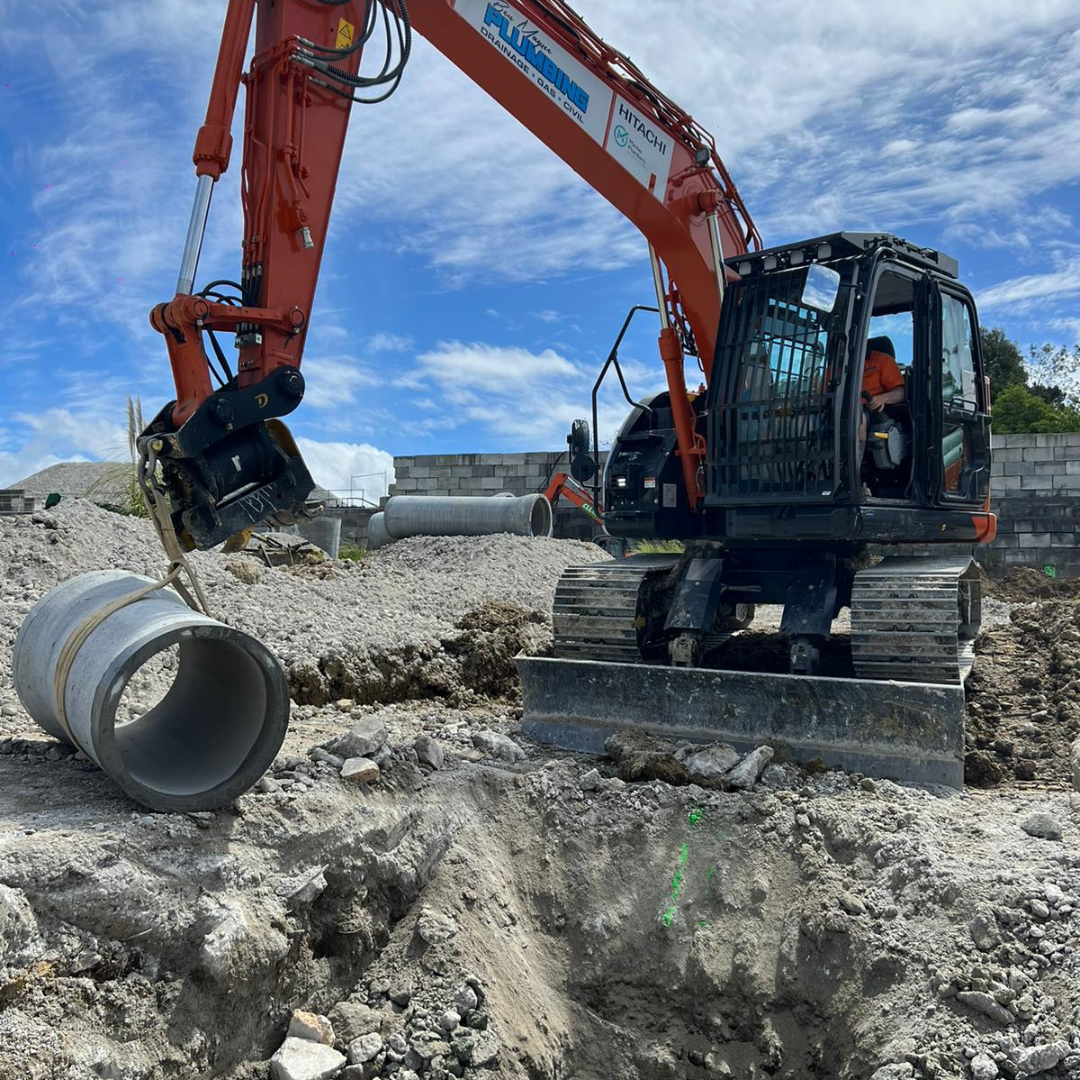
<point>894,730</point>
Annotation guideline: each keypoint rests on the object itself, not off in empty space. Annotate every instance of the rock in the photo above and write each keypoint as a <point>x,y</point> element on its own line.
<point>435,927</point>
<point>400,994</point>
<point>308,889</point>
<point>1039,1059</point>
<point>984,1003</point>
<point>851,904</point>
<point>301,1059</point>
<point>477,1019</point>
<point>983,1067</point>
<point>709,764</point>
<point>428,752</point>
<point>641,756</point>
<point>745,775</point>
<point>351,1019</point>
<point>465,999</point>
<point>485,1049</point>
<point>360,770</point>
<point>1074,757</point>
<point>1053,894</point>
<point>362,740</point>
<point>20,941</point>
<point>591,780</point>
<point>1040,909</point>
<point>1043,825</point>
<point>901,1070</point>
<point>494,745</point>
<point>981,770</point>
<point>333,760</point>
<point>312,1026</point>
<point>365,1048</point>
<point>449,1020</point>
<point>984,930</point>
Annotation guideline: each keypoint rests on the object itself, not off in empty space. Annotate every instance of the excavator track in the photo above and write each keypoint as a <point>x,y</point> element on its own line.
<point>915,620</point>
<point>601,611</point>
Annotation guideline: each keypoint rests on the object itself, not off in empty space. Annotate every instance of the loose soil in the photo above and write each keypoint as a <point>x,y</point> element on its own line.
<point>817,927</point>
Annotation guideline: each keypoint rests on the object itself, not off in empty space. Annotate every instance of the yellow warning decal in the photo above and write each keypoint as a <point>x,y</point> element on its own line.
<point>345,33</point>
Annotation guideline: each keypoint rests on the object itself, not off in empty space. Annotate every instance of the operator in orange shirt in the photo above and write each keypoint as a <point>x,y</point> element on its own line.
<point>882,383</point>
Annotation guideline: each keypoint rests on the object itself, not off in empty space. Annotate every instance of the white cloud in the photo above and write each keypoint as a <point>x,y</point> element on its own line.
<point>33,441</point>
<point>387,342</point>
<point>1020,292</point>
<point>344,467</point>
<point>454,364</point>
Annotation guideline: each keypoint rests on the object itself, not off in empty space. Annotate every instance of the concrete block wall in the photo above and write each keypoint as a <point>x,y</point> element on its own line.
<point>1035,486</point>
<point>16,501</point>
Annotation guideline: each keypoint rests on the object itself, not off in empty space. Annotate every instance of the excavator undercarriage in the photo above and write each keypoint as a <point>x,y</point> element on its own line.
<point>897,713</point>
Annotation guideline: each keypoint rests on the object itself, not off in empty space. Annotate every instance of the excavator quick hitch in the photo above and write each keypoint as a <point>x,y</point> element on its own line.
<point>232,464</point>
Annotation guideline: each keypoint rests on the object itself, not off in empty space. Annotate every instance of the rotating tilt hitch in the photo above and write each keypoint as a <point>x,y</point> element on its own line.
<point>232,463</point>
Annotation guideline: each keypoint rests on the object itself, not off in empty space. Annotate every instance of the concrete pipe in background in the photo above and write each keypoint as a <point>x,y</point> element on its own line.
<point>448,515</point>
<point>376,531</point>
<point>211,736</point>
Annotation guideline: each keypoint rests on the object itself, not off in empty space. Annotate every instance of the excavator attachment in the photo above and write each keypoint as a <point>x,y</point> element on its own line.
<point>913,623</point>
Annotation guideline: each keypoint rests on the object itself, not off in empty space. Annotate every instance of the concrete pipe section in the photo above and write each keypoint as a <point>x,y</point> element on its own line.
<point>447,515</point>
<point>212,735</point>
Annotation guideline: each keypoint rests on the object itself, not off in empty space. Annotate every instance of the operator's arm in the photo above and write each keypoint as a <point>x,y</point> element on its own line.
<point>892,380</point>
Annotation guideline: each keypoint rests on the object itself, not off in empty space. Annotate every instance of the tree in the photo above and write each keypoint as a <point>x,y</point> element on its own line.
<point>1057,369</point>
<point>1002,360</point>
<point>1017,409</point>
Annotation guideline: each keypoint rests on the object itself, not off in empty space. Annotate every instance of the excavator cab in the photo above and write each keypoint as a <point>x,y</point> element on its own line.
<point>786,402</point>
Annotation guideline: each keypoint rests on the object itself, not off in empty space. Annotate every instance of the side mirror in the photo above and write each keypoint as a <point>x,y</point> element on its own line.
<point>821,288</point>
<point>578,440</point>
<point>582,466</point>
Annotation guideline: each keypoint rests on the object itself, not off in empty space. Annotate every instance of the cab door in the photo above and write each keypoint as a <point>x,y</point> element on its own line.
<point>959,450</point>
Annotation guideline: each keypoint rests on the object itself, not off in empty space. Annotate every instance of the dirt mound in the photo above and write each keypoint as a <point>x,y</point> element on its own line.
<point>1024,696</point>
<point>372,631</point>
<point>1022,585</point>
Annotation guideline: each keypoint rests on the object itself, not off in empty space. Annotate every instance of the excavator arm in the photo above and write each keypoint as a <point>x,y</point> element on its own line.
<point>227,460</point>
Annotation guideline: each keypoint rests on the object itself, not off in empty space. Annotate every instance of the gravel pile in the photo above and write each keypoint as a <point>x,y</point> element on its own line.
<point>381,629</point>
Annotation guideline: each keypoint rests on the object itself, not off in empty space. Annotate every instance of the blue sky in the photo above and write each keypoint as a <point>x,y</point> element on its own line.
<point>472,283</point>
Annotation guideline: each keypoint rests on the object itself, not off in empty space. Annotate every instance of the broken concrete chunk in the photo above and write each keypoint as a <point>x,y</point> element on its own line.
<point>363,740</point>
<point>434,927</point>
<point>351,1019</point>
<point>311,1026</point>
<point>495,745</point>
<point>710,763</point>
<point>1043,825</point>
<point>465,999</point>
<point>984,1003</point>
<point>745,775</point>
<point>983,1067</point>
<point>1041,1058</point>
<point>365,1048</point>
<point>852,904</point>
<point>984,930</point>
<point>360,770</point>
<point>301,1059</point>
<point>429,752</point>
<point>591,780</point>
<point>901,1070</point>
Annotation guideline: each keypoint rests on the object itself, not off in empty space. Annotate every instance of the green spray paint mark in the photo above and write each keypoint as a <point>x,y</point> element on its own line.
<point>679,878</point>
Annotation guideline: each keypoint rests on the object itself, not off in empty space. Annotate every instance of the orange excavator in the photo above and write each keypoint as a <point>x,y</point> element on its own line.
<point>773,473</point>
